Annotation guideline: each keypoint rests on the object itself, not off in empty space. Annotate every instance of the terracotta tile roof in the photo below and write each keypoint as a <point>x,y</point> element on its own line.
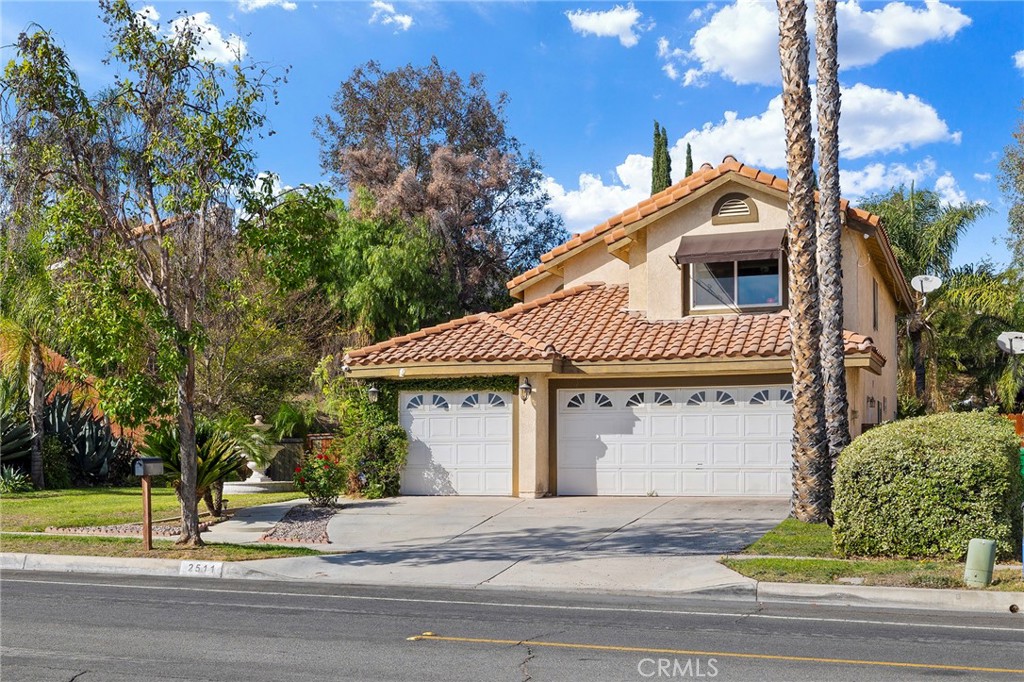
<point>614,228</point>
<point>590,323</point>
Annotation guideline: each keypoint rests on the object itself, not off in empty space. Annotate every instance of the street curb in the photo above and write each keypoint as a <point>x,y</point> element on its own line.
<point>761,592</point>
<point>889,597</point>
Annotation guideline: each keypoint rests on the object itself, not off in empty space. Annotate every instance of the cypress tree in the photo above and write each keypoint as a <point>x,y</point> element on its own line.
<point>656,161</point>
<point>666,165</point>
<point>689,160</point>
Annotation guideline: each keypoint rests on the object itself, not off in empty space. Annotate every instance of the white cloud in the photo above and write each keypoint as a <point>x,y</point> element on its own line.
<point>740,41</point>
<point>982,177</point>
<point>212,44</point>
<point>949,191</point>
<point>879,177</point>
<point>253,5</point>
<point>594,201</point>
<point>701,12</point>
<point>384,13</point>
<point>1018,61</point>
<point>149,14</point>
<point>670,71</point>
<point>874,121</point>
<point>618,22</point>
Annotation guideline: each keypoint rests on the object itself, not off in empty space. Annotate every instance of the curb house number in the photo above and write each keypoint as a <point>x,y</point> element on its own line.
<point>202,569</point>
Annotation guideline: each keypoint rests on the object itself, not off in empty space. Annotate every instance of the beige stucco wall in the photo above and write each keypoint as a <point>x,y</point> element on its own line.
<point>859,272</point>
<point>595,264</point>
<point>532,438</point>
<point>664,280</point>
<point>543,287</point>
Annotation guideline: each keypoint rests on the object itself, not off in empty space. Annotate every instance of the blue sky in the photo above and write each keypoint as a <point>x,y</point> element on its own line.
<point>932,90</point>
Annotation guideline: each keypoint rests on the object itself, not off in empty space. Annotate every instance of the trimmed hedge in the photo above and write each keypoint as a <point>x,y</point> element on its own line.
<point>924,487</point>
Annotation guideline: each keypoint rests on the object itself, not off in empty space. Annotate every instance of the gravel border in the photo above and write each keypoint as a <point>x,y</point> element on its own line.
<point>302,523</point>
<point>122,529</point>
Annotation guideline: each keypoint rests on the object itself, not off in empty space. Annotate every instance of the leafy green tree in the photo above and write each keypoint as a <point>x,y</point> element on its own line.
<point>924,233</point>
<point>689,160</point>
<point>377,271</point>
<point>1011,181</point>
<point>139,179</point>
<point>433,149</point>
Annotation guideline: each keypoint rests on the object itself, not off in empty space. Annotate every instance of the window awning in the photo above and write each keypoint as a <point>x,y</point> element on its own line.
<point>729,246</point>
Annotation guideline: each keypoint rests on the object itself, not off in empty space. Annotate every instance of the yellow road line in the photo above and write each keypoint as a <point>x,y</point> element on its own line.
<point>721,654</point>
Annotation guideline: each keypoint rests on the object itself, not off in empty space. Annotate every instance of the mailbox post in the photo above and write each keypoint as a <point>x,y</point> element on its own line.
<point>146,468</point>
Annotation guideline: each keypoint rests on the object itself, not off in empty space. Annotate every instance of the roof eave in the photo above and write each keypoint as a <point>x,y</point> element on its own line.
<point>415,370</point>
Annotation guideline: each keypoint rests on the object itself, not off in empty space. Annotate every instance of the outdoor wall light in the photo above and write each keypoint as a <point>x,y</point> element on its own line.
<point>372,394</point>
<point>525,389</point>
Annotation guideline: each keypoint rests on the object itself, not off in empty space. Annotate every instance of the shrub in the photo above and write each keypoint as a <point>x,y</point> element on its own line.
<point>321,477</point>
<point>56,464</point>
<point>926,486</point>
<point>14,480</point>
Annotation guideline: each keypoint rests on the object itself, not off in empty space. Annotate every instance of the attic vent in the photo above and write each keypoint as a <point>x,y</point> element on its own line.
<point>734,208</point>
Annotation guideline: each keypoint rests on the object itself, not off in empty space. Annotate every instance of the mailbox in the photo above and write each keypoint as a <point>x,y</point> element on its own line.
<point>148,466</point>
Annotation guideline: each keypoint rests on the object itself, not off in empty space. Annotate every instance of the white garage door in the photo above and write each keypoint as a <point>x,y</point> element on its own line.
<point>459,443</point>
<point>690,441</point>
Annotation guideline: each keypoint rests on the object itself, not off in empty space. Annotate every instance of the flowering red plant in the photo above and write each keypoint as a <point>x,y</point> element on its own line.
<point>321,479</point>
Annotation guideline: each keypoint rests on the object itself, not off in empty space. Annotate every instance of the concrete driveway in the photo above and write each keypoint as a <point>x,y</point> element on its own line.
<point>609,544</point>
<point>507,527</point>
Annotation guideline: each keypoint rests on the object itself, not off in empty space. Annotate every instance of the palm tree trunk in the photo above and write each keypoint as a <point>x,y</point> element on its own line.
<point>830,236</point>
<point>37,411</point>
<point>811,469</point>
<point>188,453</point>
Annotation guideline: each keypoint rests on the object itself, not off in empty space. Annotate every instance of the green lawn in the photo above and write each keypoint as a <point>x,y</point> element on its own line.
<point>132,547</point>
<point>102,506</point>
<point>795,538</point>
<point>889,572</point>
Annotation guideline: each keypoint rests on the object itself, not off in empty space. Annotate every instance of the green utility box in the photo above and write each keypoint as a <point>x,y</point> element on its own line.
<point>981,561</point>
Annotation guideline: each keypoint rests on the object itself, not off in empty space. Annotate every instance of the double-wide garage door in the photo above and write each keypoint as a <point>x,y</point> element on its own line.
<point>671,441</point>
<point>459,443</point>
<point>690,441</point>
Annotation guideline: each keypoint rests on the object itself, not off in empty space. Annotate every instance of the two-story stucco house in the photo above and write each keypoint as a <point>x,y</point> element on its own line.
<point>652,352</point>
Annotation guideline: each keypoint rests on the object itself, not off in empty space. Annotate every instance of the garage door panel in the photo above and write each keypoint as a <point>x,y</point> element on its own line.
<point>459,443</point>
<point>692,441</point>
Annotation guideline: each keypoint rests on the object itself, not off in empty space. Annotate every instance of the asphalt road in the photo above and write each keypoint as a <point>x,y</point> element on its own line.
<point>90,628</point>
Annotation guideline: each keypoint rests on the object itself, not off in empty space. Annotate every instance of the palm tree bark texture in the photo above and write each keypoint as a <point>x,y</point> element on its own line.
<point>37,410</point>
<point>811,467</point>
<point>830,254</point>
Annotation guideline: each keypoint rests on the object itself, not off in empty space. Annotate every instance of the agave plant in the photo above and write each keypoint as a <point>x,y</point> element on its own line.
<point>14,480</point>
<point>15,431</point>
<point>88,438</point>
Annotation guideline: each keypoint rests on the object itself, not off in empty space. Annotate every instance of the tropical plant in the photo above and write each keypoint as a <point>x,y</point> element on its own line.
<point>1011,181</point>
<point>219,456</point>
<point>924,232</point>
<point>830,233</point>
<point>812,470</point>
<point>321,477</point>
<point>27,324</point>
<point>14,480</point>
<point>293,419</point>
<point>15,438</point>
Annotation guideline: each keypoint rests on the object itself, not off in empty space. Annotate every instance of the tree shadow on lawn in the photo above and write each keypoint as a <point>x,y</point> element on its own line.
<point>567,543</point>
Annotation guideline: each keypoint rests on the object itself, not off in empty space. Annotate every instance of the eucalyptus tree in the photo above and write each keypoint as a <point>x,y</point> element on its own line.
<point>812,472</point>
<point>830,235</point>
<point>139,179</point>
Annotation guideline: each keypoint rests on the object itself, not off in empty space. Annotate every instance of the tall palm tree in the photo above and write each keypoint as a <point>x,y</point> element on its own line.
<point>811,468</point>
<point>830,254</point>
<point>924,233</point>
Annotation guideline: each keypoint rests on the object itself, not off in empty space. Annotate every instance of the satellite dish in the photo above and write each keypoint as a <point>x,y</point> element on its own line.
<point>1011,342</point>
<point>926,283</point>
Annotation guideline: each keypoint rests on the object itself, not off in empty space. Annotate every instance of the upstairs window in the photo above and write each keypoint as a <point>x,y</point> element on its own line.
<point>736,284</point>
